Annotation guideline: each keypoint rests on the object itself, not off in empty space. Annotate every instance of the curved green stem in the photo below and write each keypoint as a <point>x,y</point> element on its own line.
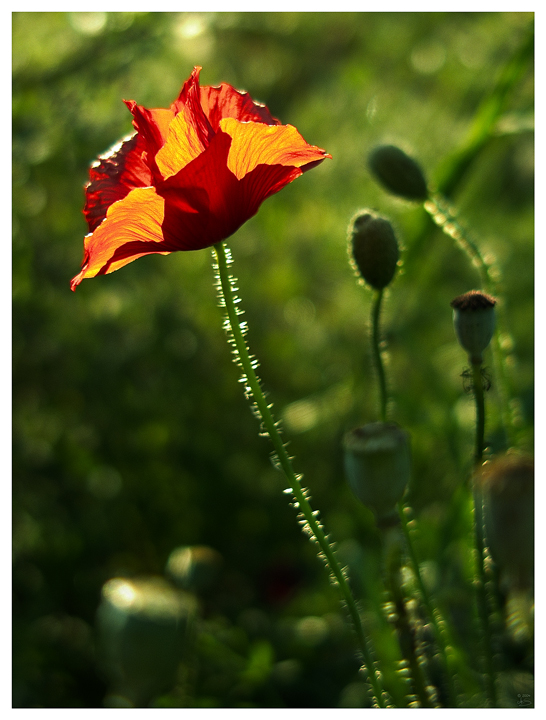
<point>308,518</point>
<point>442,214</point>
<point>376,349</point>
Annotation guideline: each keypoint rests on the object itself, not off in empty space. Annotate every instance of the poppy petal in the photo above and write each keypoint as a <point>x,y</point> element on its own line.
<point>264,181</point>
<point>257,144</point>
<point>199,207</point>
<point>183,145</point>
<point>189,101</point>
<point>153,125</point>
<point>206,202</point>
<point>224,101</point>
<point>132,228</point>
<point>113,176</point>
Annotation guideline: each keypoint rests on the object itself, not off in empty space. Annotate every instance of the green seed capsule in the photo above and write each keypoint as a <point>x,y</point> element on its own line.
<point>474,322</point>
<point>508,487</point>
<point>378,465</point>
<point>398,173</point>
<point>373,248</point>
<point>142,630</point>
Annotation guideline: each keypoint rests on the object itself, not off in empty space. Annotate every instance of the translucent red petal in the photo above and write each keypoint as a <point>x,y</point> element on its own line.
<point>113,177</point>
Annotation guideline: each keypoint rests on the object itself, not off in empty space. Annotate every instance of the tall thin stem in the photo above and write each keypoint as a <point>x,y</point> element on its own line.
<point>477,384</point>
<point>308,518</point>
<point>392,547</point>
<point>377,356</point>
<point>437,622</point>
<point>483,610</point>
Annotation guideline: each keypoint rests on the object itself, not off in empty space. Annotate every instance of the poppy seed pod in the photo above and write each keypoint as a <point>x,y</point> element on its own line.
<point>143,626</point>
<point>474,322</point>
<point>508,488</point>
<point>378,465</point>
<point>373,248</point>
<point>398,173</point>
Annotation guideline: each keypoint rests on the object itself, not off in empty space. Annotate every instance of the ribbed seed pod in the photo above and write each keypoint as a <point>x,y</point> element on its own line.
<point>378,465</point>
<point>507,483</point>
<point>142,630</point>
<point>474,322</point>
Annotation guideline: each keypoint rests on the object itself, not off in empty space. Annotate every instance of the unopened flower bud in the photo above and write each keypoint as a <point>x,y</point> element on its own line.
<point>474,322</point>
<point>378,465</point>
<point>373,248</point>
<point>398,173</point>
<point>507,484</point>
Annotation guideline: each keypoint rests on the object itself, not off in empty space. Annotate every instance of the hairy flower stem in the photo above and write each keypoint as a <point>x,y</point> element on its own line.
<point>236,332</point>
<point>378,359</point>
<point>443,215</point>
<point>481,593</point>
<point>393,558</point>
<point>436,620</point>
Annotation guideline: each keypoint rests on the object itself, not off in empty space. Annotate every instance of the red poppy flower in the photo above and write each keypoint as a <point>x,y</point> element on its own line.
<point>189,177</point>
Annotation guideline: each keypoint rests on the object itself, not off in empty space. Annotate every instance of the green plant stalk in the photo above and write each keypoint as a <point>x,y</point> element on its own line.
<point>439,210</point>
<point>481,592</point>
<point>392,548</point>
<point>405,641</point>
<point>311,525</point>
<point>376,350</point>
<point>477,384</point>
<point>438,624</point>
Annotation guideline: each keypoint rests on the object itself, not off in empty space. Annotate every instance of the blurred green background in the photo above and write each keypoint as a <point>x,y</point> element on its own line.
<point>131,436</point>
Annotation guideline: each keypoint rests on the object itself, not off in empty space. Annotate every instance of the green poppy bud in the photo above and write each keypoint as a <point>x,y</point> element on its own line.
<point>373,248</point>
<point>142,628</point>
<point>378,465</point>
<point>398,173</point>
<point>474,322</point>
<point>507,483</point>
